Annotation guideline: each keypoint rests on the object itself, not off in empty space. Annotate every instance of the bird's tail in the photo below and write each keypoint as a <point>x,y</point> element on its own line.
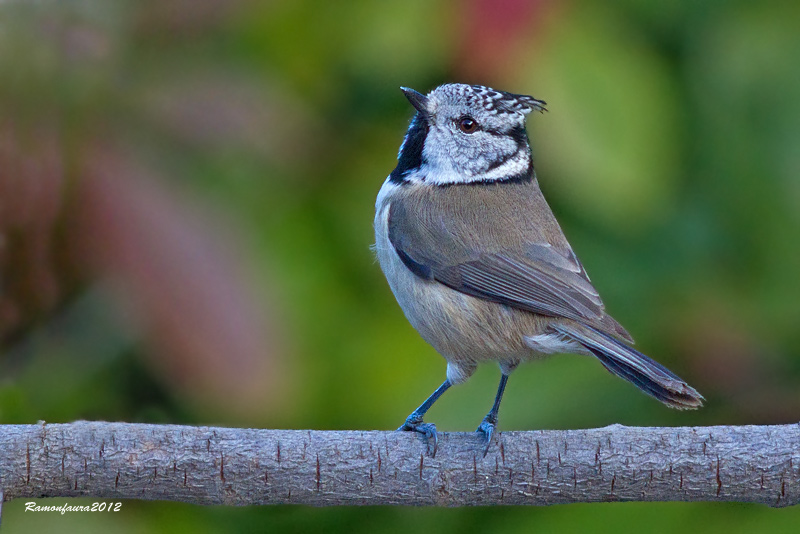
<point>630,364</point>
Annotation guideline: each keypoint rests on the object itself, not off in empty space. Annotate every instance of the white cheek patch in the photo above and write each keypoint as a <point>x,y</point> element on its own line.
<point>449,158</point>
<point>446,175</point>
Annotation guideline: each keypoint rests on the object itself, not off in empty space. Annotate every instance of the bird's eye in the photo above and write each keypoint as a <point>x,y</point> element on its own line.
<point>467,125</point>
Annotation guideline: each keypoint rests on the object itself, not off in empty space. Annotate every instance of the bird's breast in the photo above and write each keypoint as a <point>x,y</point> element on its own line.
<point>460,327</point>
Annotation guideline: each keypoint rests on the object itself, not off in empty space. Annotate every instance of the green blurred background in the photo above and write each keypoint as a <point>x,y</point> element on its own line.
<point>186,201</point>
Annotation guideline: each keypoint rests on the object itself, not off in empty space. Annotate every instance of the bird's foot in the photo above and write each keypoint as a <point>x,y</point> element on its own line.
<point>486,429</point>
<point>414,424</point>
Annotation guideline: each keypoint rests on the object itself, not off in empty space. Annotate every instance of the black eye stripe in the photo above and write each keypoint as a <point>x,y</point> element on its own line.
<point>517,133</point>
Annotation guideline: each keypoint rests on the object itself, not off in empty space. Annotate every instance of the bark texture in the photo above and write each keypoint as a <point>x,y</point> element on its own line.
<point>205,465</point>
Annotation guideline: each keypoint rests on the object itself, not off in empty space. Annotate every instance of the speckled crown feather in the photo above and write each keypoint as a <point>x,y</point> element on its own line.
<point>492,100</point>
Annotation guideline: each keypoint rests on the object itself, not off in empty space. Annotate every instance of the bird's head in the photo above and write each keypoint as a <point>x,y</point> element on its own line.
<point>466,134</point>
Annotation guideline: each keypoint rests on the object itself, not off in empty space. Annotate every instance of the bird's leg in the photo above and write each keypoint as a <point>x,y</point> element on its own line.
<point>489,422</point>
<point>414,421</point>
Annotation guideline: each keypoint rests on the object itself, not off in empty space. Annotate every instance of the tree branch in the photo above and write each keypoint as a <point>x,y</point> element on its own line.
<point>204,465</point>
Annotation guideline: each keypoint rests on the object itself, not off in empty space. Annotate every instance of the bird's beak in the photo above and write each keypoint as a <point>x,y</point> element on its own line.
<point>418,100</point>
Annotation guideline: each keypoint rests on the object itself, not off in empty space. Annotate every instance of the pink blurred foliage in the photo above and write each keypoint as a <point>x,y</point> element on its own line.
<point>177,270</point>
<point>77,208</point>
<point>32,182</point>
<point>491,34</point>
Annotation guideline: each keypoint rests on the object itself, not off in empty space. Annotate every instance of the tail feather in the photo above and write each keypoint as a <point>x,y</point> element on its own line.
<point>630,364</point>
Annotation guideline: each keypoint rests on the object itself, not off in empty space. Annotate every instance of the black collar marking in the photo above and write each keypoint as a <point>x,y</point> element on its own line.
<point>410,157</point>
<point>525,176</point>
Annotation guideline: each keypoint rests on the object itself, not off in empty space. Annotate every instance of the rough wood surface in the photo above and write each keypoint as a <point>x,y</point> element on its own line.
<point>232,466</point>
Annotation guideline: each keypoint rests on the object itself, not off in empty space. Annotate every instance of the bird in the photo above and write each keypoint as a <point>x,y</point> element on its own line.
<point>477,261</point>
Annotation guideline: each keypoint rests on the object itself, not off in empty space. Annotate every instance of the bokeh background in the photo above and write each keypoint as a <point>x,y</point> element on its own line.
<point>186,199</point>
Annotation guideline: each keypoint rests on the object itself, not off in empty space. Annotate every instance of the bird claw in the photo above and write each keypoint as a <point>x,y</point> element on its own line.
<point>487,428</point>
<point>426,429</point>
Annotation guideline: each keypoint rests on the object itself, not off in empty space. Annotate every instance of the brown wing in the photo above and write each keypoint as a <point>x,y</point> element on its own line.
<point>522,283</point>
<point>463,254</point>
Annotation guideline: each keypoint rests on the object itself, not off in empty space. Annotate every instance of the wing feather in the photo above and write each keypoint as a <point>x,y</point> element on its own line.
<point>465,250</point>
<point>523,284</point>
